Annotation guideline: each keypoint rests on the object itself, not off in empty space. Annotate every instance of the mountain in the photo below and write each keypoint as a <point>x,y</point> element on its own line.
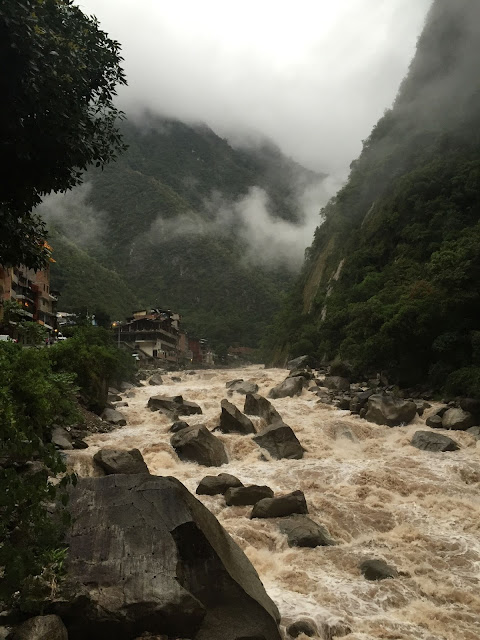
<point>391,280</point>
<point>169,224</point>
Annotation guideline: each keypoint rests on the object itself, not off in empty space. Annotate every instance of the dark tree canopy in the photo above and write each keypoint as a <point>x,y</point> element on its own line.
<point>59,73</point>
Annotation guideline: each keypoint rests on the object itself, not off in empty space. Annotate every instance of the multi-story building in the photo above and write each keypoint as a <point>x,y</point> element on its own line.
<point>31,290</point>
<point>154,333</point>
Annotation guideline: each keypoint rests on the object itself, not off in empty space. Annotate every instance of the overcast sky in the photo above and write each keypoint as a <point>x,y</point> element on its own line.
<point>313,75</point>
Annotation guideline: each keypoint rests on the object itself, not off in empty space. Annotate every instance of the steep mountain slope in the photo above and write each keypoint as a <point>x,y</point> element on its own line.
<point>391,279</point>
<point>168,224</point>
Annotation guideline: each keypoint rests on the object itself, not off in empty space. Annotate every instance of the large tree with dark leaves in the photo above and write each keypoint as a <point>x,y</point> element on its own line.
<point>59,74</point>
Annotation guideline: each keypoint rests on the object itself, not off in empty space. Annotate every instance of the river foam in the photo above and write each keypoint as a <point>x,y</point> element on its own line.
<point>376,494</point>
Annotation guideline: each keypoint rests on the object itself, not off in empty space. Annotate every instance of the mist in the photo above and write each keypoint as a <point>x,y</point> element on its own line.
<point>314,76</point>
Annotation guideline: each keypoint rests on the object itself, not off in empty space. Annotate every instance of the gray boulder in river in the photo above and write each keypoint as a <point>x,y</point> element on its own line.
<point>288,388</point>
<point>197,444</point>
<point>390,411</point>
<point>145,556</point>
<point>280,441</point>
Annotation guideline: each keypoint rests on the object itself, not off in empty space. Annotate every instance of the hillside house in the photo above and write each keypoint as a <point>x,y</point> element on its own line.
<point>154,333</point>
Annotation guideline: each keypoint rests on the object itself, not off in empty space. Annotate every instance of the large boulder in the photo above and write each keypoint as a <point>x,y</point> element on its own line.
<point>359,400</point>
<point>41,628</point>
<point>242,386</point>
<point>288,388</point>
<point>457,419</point>
<point>435,422</point>
<point>337,383</point>
<point>175,405</point>
<point>120,461</point>
<point>303,532</point>
<point>233,421</point>
<point>61,439</point>
<point>178,426</point>
<point>390,411</point>
<point>155,380</point>
<point>301,373</point>
<point>257,405</point>
<point>471,405</point>
<point>373,569</point>
<point>301,361</point>
<point>214,485</point>
<point>197,444</point>
<point>475,432</point>
<point>280,441</point>
<point>249,495</point>
<point>431,441</point>
<point>302,626</point>
<point>114,417</point>
<point>146,557</point>
<point>280,507</point>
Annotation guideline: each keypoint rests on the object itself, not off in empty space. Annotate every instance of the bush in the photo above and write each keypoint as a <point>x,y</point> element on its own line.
<point>464,382</point>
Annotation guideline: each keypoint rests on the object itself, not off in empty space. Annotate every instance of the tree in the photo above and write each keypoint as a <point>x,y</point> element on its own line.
<point>59,75</point>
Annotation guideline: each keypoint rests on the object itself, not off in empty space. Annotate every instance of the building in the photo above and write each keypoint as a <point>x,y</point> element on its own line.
<point>152,333</point>
<point>31,290</point>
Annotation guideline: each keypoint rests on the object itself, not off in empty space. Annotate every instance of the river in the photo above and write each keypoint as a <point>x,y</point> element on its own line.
<point>378,496</point>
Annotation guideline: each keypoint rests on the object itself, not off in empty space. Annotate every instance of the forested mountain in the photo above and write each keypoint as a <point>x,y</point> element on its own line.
<point>161,227</point>
<point>391,281</point>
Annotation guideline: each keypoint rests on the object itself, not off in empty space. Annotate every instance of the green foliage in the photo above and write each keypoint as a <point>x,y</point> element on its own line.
<point>59,73</point>
<point>406,229</point>
<point>95,361</point>
<point>32,398</point>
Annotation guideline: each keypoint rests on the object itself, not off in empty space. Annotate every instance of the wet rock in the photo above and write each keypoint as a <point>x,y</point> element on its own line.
<point>434,421</point>
<point>280,507</point>
<point>474,431</point>
<point>178,426</point>
<point>330,631</point>
<point>113,391</point>
<point>61,439</point>
<point>41,628</point>
<point>155,380</point>
<point>242,386</point>
<point>303,532</point>
<point>114,461</point>
<point>390,411</point>
<point>377,570</point>
<point>215,485</point>
<point>441,410</point>
<point>175,405</point>
<point>305,626</point>
<point>471,405</point>
<point>301,373</point>
<point>337,383</point>
<point>114,417</point>
<point>257,405</point>
<point>280,441</point>
<point>175,379</point>
<point>129,394</point>
<point>301,361</point>
<point>457,419</point>
<point>232,383</point>
<point>197,444</point>
<point>249,495</point>
<point>114,397</point>
<point>126,386</point>
<point>79,444</point>
<point>146,556</point>
<point>343,404</point>
<point>430,441</point>
<point>359,400</point>
<point>422,405</point>
<point>121,404</point>
<point>288,388</point>
<point>233,421</point>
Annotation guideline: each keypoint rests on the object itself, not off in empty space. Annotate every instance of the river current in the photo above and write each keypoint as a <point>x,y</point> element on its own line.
<point>378,496</point>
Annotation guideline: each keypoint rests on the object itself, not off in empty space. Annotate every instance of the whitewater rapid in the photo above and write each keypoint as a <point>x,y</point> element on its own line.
<point>378,496</point>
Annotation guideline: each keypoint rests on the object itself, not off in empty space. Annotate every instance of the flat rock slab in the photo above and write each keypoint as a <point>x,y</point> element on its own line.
<point>173,405</point>
<point>430,441</point>
<point>197,444</point>
<point>280,507</point>
<point>280,441</point>
<point>146,556</point>
<point>257,405</point>
<point>303,532</point>
<point>114,417</point>
<point>249,495</point>
<point>215,485</point>
<point>377,570</point>
<point>390,411</point>
<point>41,628</point>
<point>242,386</point>
<point>288,388</point>
<point>457,419</point>
<point>233,421</point>
<point>120,461</point>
